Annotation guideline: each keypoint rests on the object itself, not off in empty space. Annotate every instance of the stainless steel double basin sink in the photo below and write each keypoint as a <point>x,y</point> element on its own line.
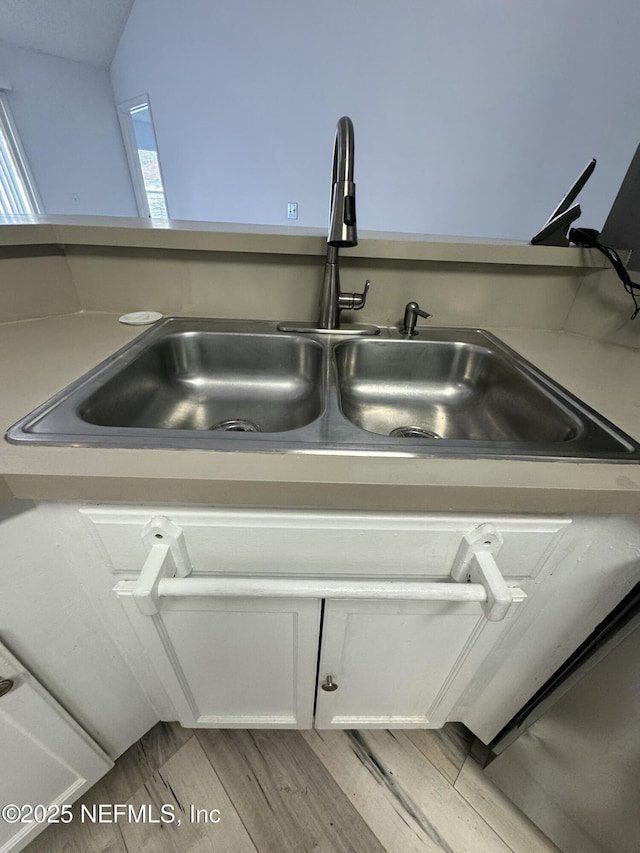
<point>241,385</point>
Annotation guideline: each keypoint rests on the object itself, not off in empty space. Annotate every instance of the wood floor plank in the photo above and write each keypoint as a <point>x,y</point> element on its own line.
<point>186,779</point>
<point>446,748</point>
<point>383,810</point>
<point>142,760</point>
<point>443,813</point>
<point>286,797</point>
<point>291,792</point>
<point>514,827</point>
<point>81,836</point>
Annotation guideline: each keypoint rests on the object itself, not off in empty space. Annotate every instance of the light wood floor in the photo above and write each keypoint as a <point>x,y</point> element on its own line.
<point>293,792</point>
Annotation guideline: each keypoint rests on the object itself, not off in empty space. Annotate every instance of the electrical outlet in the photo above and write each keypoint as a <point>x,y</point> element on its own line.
<point>292,210</point>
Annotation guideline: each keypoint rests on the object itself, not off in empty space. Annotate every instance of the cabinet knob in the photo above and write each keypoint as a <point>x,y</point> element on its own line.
<point>6,684</point>
<point>329,684</point>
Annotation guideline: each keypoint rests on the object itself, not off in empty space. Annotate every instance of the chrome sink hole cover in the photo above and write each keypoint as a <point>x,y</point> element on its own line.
<point>236,425</point>
<point>413,432</point>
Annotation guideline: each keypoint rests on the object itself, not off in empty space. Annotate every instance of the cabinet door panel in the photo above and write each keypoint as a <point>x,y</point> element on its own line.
<point>47,758</point>
<point>233,662</point>
<point>392,661</point>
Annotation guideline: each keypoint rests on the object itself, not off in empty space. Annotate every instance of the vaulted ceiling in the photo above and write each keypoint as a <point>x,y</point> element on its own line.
<point>83,30</point>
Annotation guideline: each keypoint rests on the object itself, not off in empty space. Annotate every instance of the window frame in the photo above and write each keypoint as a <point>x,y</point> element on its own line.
<point>131,149</point>
<point>18,178</point>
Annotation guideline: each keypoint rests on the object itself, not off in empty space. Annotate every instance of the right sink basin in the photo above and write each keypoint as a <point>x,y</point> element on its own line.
<point>465,385</point>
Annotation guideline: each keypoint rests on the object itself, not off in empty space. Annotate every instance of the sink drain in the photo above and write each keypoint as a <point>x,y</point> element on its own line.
<point>236,425</point>
<point>412,432</point>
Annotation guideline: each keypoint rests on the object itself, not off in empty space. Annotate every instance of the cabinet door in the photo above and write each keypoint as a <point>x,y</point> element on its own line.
<point>394,662</point>
<point>47,759</point>
<point>234,662</point>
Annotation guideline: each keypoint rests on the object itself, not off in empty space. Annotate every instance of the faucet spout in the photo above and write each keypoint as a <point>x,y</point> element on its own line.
<point>342,206</point>
<point>342,230</point>
<point>342,234</point>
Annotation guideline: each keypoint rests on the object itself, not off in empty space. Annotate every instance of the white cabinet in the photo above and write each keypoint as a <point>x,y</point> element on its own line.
<point>234,662</point>
<point>55,617</point>
<point>393,662</point>
<point>48,761</point>
<point>232,608</point>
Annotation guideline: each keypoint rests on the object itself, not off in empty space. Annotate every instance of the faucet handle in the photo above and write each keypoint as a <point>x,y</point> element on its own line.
<point>354,301</point>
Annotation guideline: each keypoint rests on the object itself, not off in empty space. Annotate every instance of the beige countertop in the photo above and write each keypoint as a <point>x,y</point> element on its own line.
<point>39,357</point>
<point>294,240</point>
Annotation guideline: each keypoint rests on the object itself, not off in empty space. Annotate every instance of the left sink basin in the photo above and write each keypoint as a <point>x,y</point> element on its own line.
<point>213,381</point>
<point>187,382</point>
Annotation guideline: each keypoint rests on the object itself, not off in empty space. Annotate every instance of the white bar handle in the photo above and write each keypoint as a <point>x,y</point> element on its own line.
<point>148,593</point>
<point>483,539</point>
<point>228,587</point>
<point>499,597</point>
<point>162,531</point>
<point>158,564</point>
<point>478,576</point>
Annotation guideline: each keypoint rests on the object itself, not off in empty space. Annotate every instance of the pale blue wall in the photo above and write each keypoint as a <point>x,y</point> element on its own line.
<point>472,118</point>
<point>66,118</point>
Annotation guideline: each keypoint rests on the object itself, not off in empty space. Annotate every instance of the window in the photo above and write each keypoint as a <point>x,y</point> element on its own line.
<point>17,189</point>
<point>142,152</point>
